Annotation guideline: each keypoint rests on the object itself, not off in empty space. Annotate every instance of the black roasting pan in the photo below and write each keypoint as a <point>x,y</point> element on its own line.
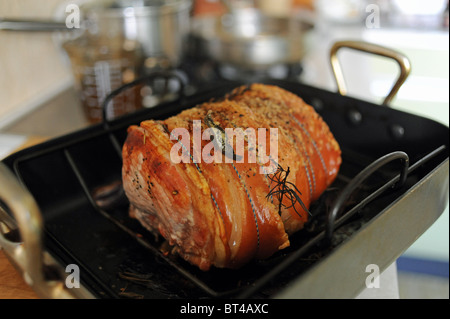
<point>393,184</point>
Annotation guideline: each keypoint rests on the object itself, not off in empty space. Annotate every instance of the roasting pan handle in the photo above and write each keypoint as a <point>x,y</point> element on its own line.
<point>359,179</point>
<point>167,75</point>
<point>402,61</point>
<point>21,239</point>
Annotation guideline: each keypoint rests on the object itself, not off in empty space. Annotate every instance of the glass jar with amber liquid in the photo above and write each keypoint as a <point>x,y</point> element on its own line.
<point>101,63</point>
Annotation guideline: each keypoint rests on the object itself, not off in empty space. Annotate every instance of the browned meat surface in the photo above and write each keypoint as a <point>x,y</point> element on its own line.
<point>226,213</point>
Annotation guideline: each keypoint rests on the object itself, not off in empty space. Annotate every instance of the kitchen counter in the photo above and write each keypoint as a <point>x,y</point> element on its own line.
<point>12,285</point>
<point>61,115</point>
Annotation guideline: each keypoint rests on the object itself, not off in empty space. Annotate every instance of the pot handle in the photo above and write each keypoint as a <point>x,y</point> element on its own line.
<point>32,25</point>
<point>402,61</point>
<point>21,239</point>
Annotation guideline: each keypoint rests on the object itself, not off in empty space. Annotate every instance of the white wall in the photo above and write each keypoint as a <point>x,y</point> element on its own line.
<point>32,68</point>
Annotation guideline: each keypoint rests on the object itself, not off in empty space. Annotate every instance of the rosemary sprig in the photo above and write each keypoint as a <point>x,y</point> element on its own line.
<point>219,138</point>
<point>283,189</point>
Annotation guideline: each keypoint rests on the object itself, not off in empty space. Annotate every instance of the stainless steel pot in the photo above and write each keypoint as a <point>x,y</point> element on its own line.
<point>160,27</point>
<point>249,39</point>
